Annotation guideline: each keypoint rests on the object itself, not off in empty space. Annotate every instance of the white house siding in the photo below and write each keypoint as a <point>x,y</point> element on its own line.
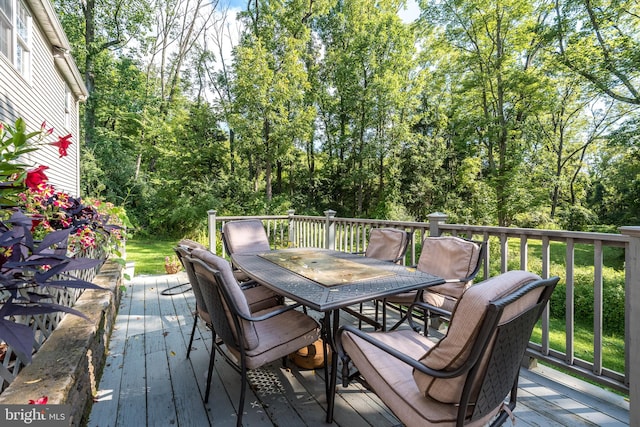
<point>42,98</point>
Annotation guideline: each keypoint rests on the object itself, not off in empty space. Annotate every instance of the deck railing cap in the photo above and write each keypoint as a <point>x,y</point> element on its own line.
<point>633,231</point>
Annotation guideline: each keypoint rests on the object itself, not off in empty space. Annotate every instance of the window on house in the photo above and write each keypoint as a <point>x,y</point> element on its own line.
<point>15,34</point>
<point>23,33</point>
<point>6,18</point>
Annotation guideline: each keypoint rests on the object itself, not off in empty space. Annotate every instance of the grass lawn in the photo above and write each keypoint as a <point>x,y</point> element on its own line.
<point>148,254</point>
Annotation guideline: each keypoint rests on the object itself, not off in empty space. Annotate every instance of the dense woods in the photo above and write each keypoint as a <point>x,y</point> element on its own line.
<point>503,112</point>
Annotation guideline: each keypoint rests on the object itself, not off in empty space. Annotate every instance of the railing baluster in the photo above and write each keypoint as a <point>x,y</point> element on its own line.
<point>598,306</point>
<point>546,261</point>
<point>569,304</point>
<point>504,253</point>
<point>632,319</point>
<point>524,252</point>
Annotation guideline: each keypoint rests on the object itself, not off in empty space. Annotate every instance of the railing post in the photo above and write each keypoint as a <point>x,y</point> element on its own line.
<point>435,219</point>
<point>330,230</point>
<point>211,220</point>
<point>292,228</point>
<point>632,320</point>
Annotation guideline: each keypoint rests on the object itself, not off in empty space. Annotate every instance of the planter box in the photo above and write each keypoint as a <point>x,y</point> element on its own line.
<point>67,366</point>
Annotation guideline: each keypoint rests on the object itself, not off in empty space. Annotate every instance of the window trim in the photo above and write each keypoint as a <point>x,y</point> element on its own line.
<point>23,44</point>
<point>9,28</point>
<point>19,49</point>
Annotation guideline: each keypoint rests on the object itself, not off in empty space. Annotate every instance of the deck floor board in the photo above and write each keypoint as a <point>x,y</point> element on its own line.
<point>148,381</point>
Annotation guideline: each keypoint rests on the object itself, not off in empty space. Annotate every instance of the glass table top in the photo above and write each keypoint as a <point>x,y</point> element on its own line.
<point>324,268</point>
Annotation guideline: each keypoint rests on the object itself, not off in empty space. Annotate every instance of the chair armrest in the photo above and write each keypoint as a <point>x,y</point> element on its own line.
<point>270,314</point>
<point>416,364</point>
<point>433,309</point>
<point>248,284</point>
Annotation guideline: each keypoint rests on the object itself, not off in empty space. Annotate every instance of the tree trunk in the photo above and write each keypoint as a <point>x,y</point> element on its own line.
<point>89,76</point>
<point>267,160</point>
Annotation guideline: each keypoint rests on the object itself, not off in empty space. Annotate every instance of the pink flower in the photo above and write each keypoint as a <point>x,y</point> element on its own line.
<point>40,401</point>
<point>43,128</point>
<point>36,177</point>
<point>62,143</point>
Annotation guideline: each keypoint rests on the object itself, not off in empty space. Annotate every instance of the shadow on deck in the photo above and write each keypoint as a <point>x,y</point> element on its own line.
<point>147,380</point>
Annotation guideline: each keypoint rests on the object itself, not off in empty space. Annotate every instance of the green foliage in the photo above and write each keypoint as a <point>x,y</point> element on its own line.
<point>342,105</point>
<point>583,280</point>
<point>577,218</point>
<point>613,300</point>
<point>599,40</point>
<point>15,143</point>
<point>616,197</point>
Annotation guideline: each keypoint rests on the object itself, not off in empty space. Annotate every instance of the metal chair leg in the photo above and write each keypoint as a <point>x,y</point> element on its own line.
<point>212,361</point>
<point>193,331</point>
<point>384,315</point>
<point>243,392</point>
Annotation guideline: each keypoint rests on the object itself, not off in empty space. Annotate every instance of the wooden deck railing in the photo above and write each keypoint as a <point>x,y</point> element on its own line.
<point>509,248</point>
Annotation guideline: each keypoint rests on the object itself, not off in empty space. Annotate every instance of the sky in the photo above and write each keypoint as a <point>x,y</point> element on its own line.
<point>411,11</point>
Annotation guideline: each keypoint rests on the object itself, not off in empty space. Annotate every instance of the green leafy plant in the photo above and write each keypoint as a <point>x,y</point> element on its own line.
<point>64,228</point>
<point>26,269</point>
<point>15,142</point>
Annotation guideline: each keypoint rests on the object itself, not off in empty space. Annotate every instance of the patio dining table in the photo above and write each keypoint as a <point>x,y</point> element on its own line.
<point>327,281</point>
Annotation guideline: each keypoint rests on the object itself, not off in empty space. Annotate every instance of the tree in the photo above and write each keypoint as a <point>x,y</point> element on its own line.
<point>178,25</point>
<point>496,44</point>
<point>270,116</point>
<point>95,28</point>
<point>600,41</point>
<point>366,100</point>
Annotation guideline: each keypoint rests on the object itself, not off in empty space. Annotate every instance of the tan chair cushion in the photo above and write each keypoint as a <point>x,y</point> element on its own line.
<point>442,301</point>
<point>386,244</point>
<point>281,335</point>
<point>236,293</point>
<point>453,350</point>
<point>260,298</point>
<point>392,380</point>
<point>245,236</point>
<point>450,258</point>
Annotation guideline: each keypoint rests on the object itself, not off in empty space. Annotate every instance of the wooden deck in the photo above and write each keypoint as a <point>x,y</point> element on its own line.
<point>147,380</point>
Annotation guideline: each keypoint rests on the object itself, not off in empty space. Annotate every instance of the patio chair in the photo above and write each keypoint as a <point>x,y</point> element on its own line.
<point>455,259</point>
<point>182,251</point>
<point>244,236</point>
<point>258,297</point>
<point>465,378</point>
<point>248,340</point>
<point>385,244</point>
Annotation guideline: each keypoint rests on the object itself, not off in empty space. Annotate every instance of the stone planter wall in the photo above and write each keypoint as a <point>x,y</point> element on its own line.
<point>66,369</point>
